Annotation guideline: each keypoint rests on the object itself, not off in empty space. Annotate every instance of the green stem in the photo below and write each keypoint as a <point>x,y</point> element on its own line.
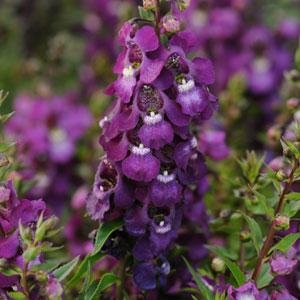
<point>271,233</point>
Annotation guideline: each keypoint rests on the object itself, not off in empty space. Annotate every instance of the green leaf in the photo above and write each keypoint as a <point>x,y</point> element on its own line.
<point>262,200</point>
<point>205,291</point>
<point>232,266</point>
<point>103,233</point>
<point>286,243</point>
<point>4,118</point>
<point>146,14</point>
<point>105,282</point>
<point>16,296</point>
<point>83,268</point>
<point>288,145</point>
<point>63,271</point>
<point>224,252</point>
<point>291,208</point>
<point>293,196</point>
<point>256,234</point>
<point>265,276</point>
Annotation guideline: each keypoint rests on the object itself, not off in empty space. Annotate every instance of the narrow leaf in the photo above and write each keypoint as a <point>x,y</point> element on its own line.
<point>205,291</point>
<point>105,282</point>
<point>265,276</point>
<point>256,234</point>
<point>104,231</point>
<point>286,243</point>
<point>63,271</point>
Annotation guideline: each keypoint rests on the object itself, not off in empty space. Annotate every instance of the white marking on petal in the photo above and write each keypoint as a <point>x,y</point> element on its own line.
<point>128,72</point>
<point>163,228</point>
<point>186,86</point>
<point>140,150</point>
<point>165,177</point>
<point>245,297</point>
<point>194,142</point>
<point>103,121</point>
<point>152,119</point>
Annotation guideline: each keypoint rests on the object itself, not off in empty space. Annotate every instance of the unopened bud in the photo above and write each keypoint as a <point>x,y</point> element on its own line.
<point>170,24</point>
<point>31,254</point>
<point>297,116</point>
<point>149,4</point>
<point>41,276</point>
<point>282,222</point>
<point>44,227</point>
<point>25,234</point>
<point>218,265</point>
<point>245,236</point>
<point>280,175</point>
<point>293,103</point>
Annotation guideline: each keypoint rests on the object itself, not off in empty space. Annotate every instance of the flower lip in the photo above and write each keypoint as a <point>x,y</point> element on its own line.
<point>140,150</point>
<point>153,118</point>
<point>165,177</point>
<point>186,86</point>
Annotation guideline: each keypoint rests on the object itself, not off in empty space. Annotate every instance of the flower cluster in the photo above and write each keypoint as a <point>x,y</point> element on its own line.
<point>153,173</point>
<point>46,131</point>
<point>21,220</point>
<point>238,41</point>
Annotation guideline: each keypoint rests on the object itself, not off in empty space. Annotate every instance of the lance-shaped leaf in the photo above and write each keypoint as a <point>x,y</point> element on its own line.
<point>63,271</point>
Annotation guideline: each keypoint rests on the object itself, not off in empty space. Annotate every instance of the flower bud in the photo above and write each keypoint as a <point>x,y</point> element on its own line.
<point>149,4</point>
<point>45,226</point>
<point>25,233</point>
<point>218,265</point>
<point>293,103</point>
<point>280,175</point>
<point>170,24</point>
<point>282,222</point>
<point>31,254</point>
<point>245,236</point>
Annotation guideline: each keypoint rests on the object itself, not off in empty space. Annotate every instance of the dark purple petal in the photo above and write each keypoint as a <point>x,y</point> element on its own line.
<point>9,246</point>
<point>136,220</point>
<point>141,167</point>
<point>157,135</point>
<point>203,71</point>
<point>142,250</point>
<point>144,276</point>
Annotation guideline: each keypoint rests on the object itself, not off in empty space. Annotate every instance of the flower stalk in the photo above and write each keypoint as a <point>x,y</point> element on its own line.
<point>272,230</point>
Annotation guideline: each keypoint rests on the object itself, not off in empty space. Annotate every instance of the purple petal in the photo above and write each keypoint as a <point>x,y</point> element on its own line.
<point>147,39</point>
<point>203,71</point>
<point>141,167</point>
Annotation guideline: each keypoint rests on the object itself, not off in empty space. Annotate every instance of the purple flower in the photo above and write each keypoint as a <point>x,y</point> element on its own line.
<point>282,294</point>
<point>246,291</point>
<point>212,143</point>
<point>284,264</point>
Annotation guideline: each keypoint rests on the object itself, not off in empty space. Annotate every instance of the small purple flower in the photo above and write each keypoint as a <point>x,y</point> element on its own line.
<point>212,143</point>
<point>284,264</point>
<point>247,291</point>
<point>282,294</point>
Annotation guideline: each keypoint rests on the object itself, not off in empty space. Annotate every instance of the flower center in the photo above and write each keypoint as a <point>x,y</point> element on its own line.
<point>135,53</point>
<point>140,150</point>
<point>176,63</point>
<point>149,99</point>
<point>152,119</point>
